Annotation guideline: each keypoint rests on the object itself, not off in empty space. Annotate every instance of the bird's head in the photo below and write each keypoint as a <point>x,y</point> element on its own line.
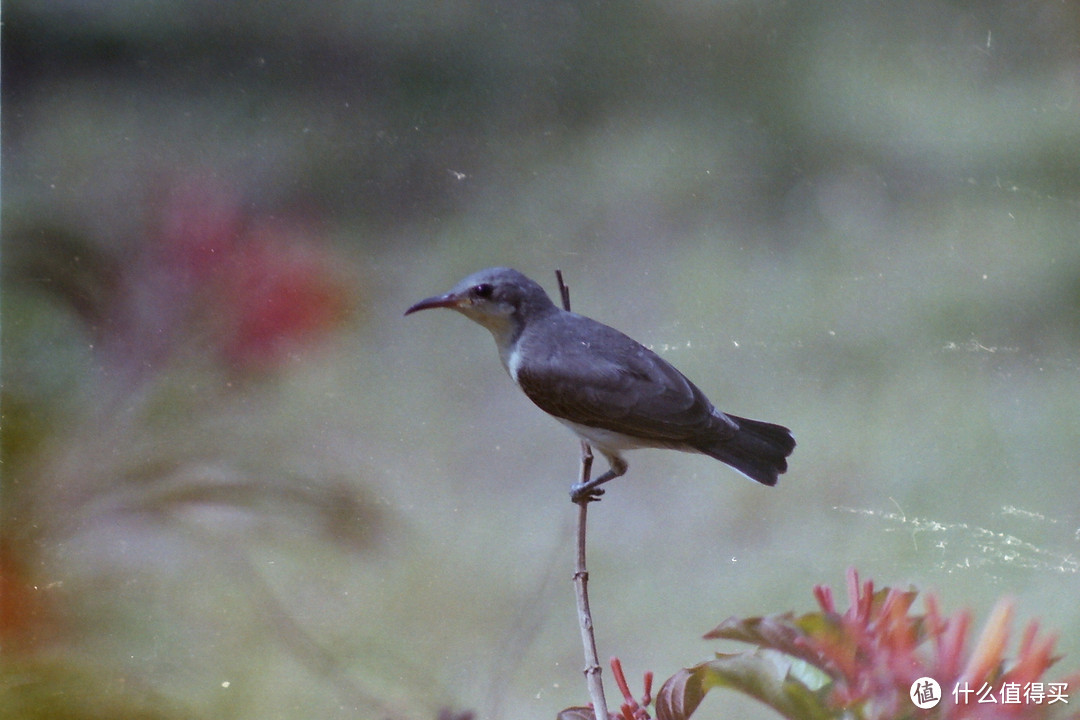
<point>500,299</point>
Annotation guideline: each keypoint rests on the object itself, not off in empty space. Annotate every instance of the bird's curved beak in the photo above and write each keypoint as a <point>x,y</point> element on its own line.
<point>449,300</point>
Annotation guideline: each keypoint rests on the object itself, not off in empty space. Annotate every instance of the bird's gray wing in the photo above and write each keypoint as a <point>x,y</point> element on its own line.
<point>591,374</point>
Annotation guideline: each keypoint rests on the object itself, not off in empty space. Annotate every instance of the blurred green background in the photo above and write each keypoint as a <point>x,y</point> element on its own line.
<point>237,483</point>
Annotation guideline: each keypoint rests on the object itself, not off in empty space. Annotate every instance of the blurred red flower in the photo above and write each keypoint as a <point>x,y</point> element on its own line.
<point>264,287</point>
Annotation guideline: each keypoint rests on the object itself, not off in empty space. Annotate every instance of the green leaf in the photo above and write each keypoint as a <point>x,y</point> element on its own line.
<point>782,632</point>
<point>761,674</point>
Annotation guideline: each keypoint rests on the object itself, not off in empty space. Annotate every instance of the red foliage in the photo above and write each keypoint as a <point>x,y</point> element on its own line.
<point>262,286</point>
<point>876,650</point>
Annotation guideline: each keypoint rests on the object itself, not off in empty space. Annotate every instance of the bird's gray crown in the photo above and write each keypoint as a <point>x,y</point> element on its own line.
<point>505,287</point>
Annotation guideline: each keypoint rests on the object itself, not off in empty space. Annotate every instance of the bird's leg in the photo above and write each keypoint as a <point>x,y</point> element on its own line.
<point>590,491</point>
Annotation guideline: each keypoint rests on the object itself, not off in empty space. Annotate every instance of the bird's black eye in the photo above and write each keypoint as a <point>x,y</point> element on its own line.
<point>483,290</point>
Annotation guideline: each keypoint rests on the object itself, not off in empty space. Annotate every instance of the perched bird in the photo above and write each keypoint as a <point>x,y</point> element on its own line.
<point>612,391</point>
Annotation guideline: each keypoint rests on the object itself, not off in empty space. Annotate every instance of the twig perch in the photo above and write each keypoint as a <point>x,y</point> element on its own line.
<point>581,575</point>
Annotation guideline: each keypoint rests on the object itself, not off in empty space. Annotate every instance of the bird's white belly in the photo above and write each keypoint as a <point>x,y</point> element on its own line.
<point>608,440</point>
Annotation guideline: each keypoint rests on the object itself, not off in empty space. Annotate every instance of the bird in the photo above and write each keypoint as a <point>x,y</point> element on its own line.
<point>609,389</point>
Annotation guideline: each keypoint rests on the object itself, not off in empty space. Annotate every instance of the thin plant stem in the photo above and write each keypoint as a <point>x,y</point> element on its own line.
<point>593,681</point>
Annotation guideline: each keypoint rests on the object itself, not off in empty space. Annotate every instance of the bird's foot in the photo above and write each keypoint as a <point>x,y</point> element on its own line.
<point>585,493</point>
<point>590,490</point>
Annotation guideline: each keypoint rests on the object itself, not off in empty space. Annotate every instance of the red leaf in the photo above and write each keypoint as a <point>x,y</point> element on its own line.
<point>680,695</point>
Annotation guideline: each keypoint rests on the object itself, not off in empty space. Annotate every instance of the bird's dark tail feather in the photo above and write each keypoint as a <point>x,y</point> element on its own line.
<point>759,450</point>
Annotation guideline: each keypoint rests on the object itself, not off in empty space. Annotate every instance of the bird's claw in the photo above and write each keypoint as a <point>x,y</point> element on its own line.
<point>584,493</point>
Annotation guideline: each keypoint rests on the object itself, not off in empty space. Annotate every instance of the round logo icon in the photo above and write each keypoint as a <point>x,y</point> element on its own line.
<point>925,693</point>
